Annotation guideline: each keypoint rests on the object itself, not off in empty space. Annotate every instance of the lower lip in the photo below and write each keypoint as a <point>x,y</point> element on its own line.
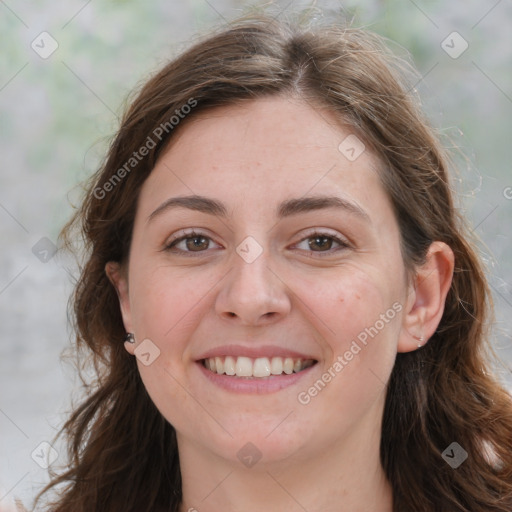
<point>256,385</point>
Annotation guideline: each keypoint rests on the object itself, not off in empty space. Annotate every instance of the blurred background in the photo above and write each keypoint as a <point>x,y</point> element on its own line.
<point>65,70</point>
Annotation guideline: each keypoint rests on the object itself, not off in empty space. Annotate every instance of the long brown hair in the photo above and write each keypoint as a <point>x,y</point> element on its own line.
<point>122,452</point>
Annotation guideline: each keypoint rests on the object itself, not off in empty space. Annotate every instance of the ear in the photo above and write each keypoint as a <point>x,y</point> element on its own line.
<point>426,299</point>
<point>117,276</point>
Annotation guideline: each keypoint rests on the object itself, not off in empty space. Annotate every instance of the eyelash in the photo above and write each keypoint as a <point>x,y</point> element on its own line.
<point>170,247</point>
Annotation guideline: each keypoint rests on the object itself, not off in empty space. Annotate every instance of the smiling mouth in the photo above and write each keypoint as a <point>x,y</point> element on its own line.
<point>260,367</point>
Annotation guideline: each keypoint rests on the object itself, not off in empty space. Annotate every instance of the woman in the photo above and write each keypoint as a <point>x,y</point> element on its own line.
<point>273,236</point>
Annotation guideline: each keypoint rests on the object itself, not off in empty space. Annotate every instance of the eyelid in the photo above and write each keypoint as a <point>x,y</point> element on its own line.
<point>323,231</point>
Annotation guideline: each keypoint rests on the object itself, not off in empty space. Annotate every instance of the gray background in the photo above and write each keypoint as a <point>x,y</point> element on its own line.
<point>56,114</point>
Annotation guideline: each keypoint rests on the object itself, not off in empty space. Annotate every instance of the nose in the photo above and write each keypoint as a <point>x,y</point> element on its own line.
<point>253,293</point>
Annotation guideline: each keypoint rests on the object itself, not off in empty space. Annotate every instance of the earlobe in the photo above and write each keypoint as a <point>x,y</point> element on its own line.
<point>427,297</point>
<point>119,281</point>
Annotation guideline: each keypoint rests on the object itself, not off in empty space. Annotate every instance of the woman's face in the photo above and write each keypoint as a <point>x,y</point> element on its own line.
<point>264,243</point>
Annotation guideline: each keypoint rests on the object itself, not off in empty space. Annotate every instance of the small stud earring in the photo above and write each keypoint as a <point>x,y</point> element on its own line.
<point>130,338</point>
<point>420,341</point>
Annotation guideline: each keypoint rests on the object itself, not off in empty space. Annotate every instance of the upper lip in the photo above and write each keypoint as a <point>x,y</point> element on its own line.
<point>253,352</point>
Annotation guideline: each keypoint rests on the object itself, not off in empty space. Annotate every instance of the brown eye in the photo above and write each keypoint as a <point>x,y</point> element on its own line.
<point>190,243</point>
<point>196,243</point>
<point>320,243</point>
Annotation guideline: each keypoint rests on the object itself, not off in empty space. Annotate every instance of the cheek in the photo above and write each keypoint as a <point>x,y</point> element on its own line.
<point>361,313</point>
<point>165,303</point>
<point>167,307</point>
<point>351,303</point>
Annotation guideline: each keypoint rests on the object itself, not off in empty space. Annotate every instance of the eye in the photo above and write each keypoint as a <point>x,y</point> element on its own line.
<point>189,243</point>
<point>196,242</point>
<point>322,242</point>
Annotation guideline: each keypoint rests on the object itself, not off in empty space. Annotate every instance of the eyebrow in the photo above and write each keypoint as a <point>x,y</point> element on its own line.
<point>286,208</point>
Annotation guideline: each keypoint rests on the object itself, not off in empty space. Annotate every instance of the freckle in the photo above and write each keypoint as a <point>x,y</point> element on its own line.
<point>358,297</point>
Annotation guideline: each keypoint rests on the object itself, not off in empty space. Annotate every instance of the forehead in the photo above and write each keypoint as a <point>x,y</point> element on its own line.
<point>264,150</point>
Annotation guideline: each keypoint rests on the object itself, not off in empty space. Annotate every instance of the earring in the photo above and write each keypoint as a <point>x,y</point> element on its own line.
<point>420,341</point>
<point>130,338</point>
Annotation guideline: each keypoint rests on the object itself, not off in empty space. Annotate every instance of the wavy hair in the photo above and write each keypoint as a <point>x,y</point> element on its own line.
<point>122,452</point>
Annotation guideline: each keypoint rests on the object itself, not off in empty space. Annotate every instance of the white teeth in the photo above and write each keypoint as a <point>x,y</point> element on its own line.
<point>288,365</point>
<point>219,365</point>
<point>276,366</point>
<point>260,367</point>
<point>243,367</point>
<point>229,365</point>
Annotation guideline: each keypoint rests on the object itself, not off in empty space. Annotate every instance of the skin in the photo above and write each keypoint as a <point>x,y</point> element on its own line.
<point>319,456</point>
